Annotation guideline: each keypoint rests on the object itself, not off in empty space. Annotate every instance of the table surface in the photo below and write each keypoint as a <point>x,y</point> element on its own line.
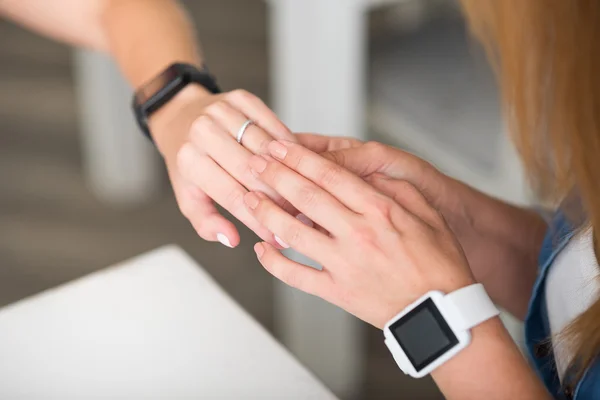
<point>154,327</point>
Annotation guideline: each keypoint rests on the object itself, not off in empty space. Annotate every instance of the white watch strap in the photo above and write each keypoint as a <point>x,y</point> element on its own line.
<point>469,306</point>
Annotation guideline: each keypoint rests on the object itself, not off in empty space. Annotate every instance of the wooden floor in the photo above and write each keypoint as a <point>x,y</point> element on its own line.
<point>52,230</point>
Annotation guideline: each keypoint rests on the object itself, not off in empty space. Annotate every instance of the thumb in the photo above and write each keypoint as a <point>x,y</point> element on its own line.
<point>321,143</point>
<point>362,161</point>
<point>374,157</point>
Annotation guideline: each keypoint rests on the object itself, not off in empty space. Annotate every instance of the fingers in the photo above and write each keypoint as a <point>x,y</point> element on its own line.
<point>304,195</point>
<point>346,187</point>
<point>296,275</point>
<point>373,157</point>
<point>230,119</point>
<point>361,161</point>
<point>409,197</point>
<point>200,210</point>
<point>291,231</point>
<point>210,138</point>
<point>257,111</point>
<point>204,173</point>
<point>320,144</point>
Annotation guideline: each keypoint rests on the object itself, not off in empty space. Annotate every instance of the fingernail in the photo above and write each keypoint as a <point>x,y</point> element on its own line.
<point>281,242</point>
<point>277,149</point>
<point>224,240</point>
<point>257,165</point>
<point>305,220</point>
<point>259,249</point>
<point>251,200</point>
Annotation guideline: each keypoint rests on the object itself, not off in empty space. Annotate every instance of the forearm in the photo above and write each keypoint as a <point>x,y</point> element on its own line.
<point>145,36</point>
<point>75,22</point>
<point>502,243</point>
<point>491,367</point>
<point>142,36</point>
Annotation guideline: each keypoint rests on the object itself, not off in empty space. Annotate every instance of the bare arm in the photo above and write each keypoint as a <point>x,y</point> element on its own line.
<point>144,37</point>
<point>388,251</point>
<point>502,243</point>
<point>55,19</point>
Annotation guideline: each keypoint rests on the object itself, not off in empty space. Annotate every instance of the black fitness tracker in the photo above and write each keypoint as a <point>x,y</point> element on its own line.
<point>160,90</point>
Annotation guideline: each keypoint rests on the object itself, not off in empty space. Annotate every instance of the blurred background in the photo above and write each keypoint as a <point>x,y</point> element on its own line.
<point>428,90</point>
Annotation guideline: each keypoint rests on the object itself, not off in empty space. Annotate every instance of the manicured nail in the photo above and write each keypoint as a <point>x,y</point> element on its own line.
<point>277,149</point>
<point>259,249</point>
<point>251,200</point>
<point>281,242</point>
<point>305,220</point>
<point>224,240</point>
<point>257,165</point>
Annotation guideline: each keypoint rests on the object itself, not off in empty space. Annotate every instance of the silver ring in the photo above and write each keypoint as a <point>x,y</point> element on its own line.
<point>242,130</point>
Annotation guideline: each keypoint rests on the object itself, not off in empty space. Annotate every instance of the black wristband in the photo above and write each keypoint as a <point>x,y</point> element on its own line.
<point>153,95</point>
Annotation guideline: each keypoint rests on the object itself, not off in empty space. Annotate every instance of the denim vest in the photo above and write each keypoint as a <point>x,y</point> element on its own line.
<point>537,327</point>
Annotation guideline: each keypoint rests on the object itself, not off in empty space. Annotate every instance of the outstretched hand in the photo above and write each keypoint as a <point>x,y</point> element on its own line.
<point>378,254</point>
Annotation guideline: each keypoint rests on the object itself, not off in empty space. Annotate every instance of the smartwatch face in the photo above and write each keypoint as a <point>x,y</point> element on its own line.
<point>423,334</point>
<point>167,82</point>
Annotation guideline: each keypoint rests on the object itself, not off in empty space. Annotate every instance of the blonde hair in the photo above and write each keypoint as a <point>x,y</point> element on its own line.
<point>547,57</point>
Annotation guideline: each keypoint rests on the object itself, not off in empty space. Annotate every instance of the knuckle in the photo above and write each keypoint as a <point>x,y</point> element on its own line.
<point>307,196</point>
<point>263,145</point>
<point>407,191</point>
<point>375,148</point>
<point>290,277</point>
<point>293,237</point>
<point>366,237</point>
<point>243,170</point>
<point>219,107</point>
<point>186,208</point>
<point>382,206</point>
<point>330,175</point>
<point>185,160</point>
<point>337,157</point>
<point>272,175</point>
<point>408,187</point>
<point>241,94</point>
<point>346,143</point>
<point>235,199</point>
<point>200,127</point>
<point>438,219</point>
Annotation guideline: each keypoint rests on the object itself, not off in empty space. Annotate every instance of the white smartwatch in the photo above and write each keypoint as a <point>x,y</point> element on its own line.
<point>436,327</point>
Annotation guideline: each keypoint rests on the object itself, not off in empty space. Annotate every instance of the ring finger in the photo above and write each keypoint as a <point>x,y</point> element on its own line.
<point>206,174</point>
<point>208,137</point>
<point>293,232</point>
<point>254,138</point>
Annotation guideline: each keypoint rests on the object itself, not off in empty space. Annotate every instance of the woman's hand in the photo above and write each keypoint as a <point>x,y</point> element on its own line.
<point>379,254</point>
<point>372,160</point>
<point>501,241</point>
<point>196,133</point>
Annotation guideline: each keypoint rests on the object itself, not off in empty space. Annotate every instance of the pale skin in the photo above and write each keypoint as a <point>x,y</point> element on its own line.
<point>382,245</point>
<point>501,241</point>
<point>144,37</point>
<point>390,227</point>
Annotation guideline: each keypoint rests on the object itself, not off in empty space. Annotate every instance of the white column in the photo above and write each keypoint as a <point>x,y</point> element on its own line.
<point>318,55</point>
<point>120,165</point>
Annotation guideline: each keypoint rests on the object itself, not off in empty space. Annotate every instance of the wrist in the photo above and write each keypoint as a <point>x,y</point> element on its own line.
<point>445,284</point>
<point>180,110</point>
<point>490,361</point>
<point>455,201</point>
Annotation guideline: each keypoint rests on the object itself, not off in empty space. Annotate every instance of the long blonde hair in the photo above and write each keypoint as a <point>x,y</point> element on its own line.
<point>547,57</point>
